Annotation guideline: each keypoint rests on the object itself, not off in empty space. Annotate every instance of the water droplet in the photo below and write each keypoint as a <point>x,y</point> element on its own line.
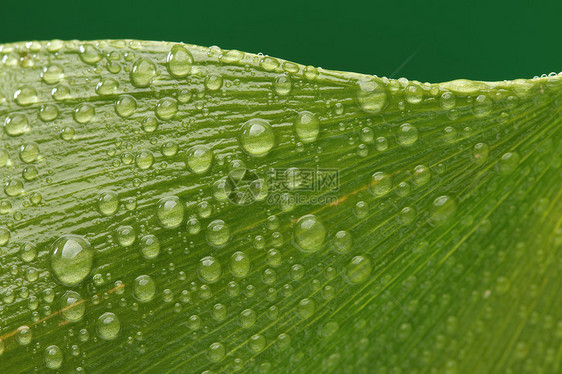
<point>218,233</point>
<point>381,144</point>
<point>144,159</point>
<point>407,215</point>
<point>84,113</point>
<point>213,82</point>
<point>358,269</point>
<point>13,187</point>
<point>179,61</point>
<point>508,162</point>
<point>67,133</point>
<point>142,73</point>
<point>16,124</point>
<point>309,233</point>
<point>407,134</point>
<point>29,152</point>
<point>144,288</point>
<point>413,94</point>
<point>421,175</point>
<point>199,158</point>
<point>108,202</point>
<point>149,246</point>
<point>371,95</point>
<point>447,100</point>
<point>256,343</point>
<point>166,108</point>
<point>170,212</point>
<point>149,124</point>
<point>108,326</point>
<point>282,85</point>
<point>125,105</point>
<point>480,152</point>
<point>307,126</point>
<point>170,149</point>
<point>257,137</point>
<point>442,210</point>
<point>48,112</point>
<point>209,269</point>
<point>72,306</point>
<point>71,258</point>
<point>90,54</point>
<point>342,241</point>
<point>240,265</point>
<point>381,183</point>
<point>107,86</point>
<point>52,74</point>
<point>216,352</point>
<point>248,318</point>
<point>126,235</point>
<point>24,335</point>
<point>306,308</point>
<point>28,251</point>
<point>483,105</point>
<point>25,96</point>
<point>53,357</point>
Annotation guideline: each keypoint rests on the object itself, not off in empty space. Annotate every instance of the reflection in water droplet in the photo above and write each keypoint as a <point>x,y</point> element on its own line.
<point>257,137</point>
<point>371,95</point>
<point>309,233</point>
<point>307,126</point>
<point>71,259</point>
<point>108,326</point>
<point>358,269</point>
<point>170,212</point>
<point>144,288</point>
<point>142,73</point>
<point>179,61</point>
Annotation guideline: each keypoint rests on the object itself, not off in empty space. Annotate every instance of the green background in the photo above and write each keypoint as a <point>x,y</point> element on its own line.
<point>486,40</point>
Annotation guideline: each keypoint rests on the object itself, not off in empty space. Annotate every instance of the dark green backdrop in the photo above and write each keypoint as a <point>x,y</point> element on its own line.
<point>487,40</point>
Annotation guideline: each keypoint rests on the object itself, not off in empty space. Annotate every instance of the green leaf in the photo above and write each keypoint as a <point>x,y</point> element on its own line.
<point>173,208</point>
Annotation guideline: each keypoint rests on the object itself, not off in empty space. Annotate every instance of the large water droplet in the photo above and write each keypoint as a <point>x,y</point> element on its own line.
<point>72,306</point>
<point>442,210</point>
<point>143,72</point>
<point>358,269</point>
<point>108,326</point>
<point>108,202</point>
<point>381,183</point>
<point>371,95</point>
<point>257,137</point>
<point>240,264</point>
<point>199,158</point>
<point>53,357</point>
<point>170,211</point>
<point>309,233</point>
<point>179,61</point>
<point>16,124</point>
<point>144,288</point>
<point>209,269</point>
<point>71,258</point>
<point>149,246</point>
<point>90,54</point>
<point>307,126</point>
<point>218,233</point>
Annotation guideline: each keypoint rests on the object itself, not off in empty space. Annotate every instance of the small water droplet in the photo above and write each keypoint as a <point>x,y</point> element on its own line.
<point>381,183</point>
<point>199,158</point>
<point>53,357</point>
<point>307,126</point>
<point>442,210</point>
<point>371,95</point>
<point>72,306</point>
